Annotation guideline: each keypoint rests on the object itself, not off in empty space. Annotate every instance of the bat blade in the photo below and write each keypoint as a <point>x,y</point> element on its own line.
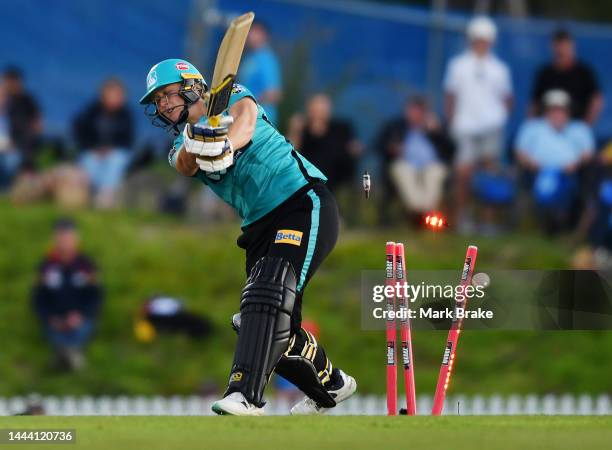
<point>226,66</point>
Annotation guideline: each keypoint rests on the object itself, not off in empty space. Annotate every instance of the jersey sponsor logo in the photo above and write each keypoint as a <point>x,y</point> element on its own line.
<point>151,79</point>
<point>182,66</point>
<point>288,237</point>
<point>237,88</point>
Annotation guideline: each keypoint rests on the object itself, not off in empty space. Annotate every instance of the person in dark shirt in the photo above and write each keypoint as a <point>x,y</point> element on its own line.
<point>24,120</point>
<point>67,296</point>
<point>104,132</point>
<point>415,154</point>
<point>327,142</point>
<point>567,73</point>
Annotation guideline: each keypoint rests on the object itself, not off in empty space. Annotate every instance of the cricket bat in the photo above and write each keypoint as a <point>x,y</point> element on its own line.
<point>226,66</point>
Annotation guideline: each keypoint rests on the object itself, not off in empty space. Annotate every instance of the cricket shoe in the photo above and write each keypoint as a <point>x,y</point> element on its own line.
<point>235,404</point>
<point>340,391</point>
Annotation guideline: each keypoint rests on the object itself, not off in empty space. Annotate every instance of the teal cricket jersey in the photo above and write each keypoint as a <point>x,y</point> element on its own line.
<point>265,173</point>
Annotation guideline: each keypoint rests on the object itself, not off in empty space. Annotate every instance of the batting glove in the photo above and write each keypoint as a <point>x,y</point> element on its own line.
<point>204,140</point>
<point>218,163</point>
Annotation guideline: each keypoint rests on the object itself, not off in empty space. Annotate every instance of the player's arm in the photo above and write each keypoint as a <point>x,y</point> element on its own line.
<point>186,163</point>
<point>244,113</point>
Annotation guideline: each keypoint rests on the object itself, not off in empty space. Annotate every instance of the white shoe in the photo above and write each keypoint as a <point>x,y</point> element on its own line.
<point>308,406</point>
<point>236,404</point>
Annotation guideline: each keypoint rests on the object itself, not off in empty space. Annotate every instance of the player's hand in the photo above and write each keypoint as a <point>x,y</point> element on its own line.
<point>217,163</point>
<point>203,140</point>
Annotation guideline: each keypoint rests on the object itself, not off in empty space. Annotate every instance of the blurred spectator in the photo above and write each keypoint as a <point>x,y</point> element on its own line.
<point>20,126</point>
<point>104,131</point>
<point>9,158</point>
<point>260,71</point>
<point>601,228</point>
<point>328,143</point>
<point>478,96</point>
<point>67,297</point>
<point>571,75</point>
<point>553,149</point>
<point>416,152</point>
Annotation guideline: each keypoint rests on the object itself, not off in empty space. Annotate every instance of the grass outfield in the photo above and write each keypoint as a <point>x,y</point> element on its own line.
<point>140,254</point>
<point>456,433</point>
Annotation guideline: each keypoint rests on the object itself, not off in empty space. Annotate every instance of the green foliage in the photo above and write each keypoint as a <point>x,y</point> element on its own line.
<point>142,254</point>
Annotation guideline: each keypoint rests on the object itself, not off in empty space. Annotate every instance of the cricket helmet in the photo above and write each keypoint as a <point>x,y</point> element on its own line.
<point>169,71</point>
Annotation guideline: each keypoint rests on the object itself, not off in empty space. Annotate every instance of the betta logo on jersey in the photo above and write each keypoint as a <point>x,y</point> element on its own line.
<point>288,237</point>
<point>182,66</point>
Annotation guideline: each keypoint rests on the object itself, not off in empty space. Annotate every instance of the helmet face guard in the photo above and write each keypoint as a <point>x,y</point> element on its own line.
<point>192,89</point>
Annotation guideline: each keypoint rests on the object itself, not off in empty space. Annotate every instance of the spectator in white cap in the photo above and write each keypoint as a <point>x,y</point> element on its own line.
<point>478,92</point>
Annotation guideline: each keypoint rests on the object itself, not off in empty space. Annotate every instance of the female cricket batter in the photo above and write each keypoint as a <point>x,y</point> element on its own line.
<point>290,224</point>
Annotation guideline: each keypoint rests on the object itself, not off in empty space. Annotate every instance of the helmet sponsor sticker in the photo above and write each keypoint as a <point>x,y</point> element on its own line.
<point>182,66</point>
<point>151,79</point>
<point>289,237</point>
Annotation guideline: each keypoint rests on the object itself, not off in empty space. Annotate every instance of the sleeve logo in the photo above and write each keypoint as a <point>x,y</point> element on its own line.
<point>289,237</point>
<point>171,155</point>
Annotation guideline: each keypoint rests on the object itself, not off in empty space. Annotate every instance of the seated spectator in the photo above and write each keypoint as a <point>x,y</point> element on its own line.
<point>104,132</point>
<point>552,149</point>
<point>20,127</point>
<point>600,203</point>
<point>326,142</point>
<point>260,71</point>
<point>417,152</point>
<point>567,73</point>
<point>67,297</point>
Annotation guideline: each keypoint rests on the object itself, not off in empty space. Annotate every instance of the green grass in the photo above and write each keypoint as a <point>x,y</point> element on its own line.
<point>456,433</point>
<point>141,254</point>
